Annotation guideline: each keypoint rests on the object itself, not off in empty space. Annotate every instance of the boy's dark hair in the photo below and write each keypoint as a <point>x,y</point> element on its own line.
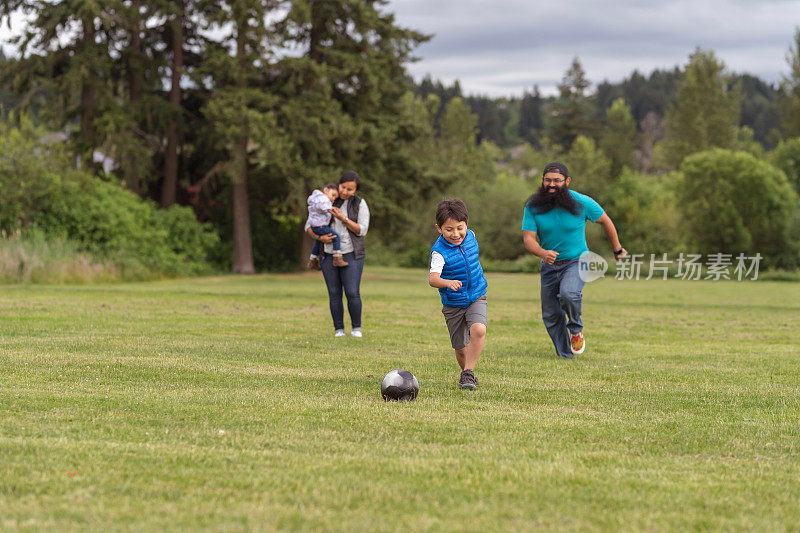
<point>350,175</point>
<point>331,186</point>
<point>451,208</point>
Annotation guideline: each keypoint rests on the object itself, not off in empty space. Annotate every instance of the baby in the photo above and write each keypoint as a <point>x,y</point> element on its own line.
<point>319,217</point>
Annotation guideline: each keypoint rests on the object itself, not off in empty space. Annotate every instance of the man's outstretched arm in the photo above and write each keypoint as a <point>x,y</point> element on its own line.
<point>611,235</point>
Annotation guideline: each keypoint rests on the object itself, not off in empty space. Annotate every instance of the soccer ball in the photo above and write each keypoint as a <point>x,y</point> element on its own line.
<point>399,385</point>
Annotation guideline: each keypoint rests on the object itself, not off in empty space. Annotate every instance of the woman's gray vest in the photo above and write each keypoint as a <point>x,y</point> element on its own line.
<point>352,213</point>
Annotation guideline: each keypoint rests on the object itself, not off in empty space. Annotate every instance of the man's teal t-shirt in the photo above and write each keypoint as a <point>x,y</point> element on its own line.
<point>562,231</point>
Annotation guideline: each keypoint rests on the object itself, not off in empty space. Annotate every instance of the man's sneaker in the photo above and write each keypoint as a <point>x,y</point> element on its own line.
<point>577,343</point>
<point>467,380</point>
<point>313,264</point>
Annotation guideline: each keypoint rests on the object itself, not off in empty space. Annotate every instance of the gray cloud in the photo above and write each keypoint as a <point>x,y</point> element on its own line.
<point>503,47</point>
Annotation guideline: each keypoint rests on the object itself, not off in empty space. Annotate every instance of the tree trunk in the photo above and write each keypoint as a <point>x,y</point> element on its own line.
<point>242,244</point>
<point>170,184</point>
<point>88,100</point>
<point>306,243</point>
<point>135,88</point>
<point>315,35</point>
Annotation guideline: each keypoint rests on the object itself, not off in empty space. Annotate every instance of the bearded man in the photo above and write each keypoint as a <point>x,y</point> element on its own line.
<point>553,228</point>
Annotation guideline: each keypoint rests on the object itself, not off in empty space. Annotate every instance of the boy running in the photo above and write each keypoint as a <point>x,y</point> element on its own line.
<point>456,271</point>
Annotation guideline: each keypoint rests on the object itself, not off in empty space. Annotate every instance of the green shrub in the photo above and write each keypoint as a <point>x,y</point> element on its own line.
<point>113,223</point>
<point>44,195</point>
<point>643,208</point>
<point>32,166</point>
<point>418,255</point>
<point>495,214</point>
<point>732,202</point>
<point>787,158</point>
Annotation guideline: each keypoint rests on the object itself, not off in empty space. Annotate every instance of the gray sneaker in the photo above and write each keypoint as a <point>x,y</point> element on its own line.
<point>468,380</point>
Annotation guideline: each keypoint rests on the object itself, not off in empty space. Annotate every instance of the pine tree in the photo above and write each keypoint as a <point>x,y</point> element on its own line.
<point>570,115</point>
<point>618,141</point>
<point>181,49</point>
<point>122,127</point>
<point>341,99</point>
<point>241,110</point>
<point>530,116</point>
<point>706,113</point>
<point>65,67</point>
<point>177,16</point>
<point>790,99</point>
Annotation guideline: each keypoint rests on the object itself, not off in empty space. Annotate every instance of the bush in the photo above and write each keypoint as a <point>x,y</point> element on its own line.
<point>495,215</point>
<point>32,167</point>
<point>787,158</point>
<point>589,169</point>
<point>42,194</point>
<point>113,223</point>
<point>644,211</point>
<point>733,203</point>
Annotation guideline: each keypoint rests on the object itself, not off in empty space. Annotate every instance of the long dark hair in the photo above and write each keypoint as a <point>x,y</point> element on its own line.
<point>350,175</point>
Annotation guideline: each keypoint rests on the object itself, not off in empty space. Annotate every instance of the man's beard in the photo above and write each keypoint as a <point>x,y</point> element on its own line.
<point>543,201</point>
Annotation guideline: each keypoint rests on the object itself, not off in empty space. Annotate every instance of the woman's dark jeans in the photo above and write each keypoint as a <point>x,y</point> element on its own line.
<point>347,278</point>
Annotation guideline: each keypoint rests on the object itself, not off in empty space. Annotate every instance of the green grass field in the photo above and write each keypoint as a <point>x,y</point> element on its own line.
<point>226,403</point>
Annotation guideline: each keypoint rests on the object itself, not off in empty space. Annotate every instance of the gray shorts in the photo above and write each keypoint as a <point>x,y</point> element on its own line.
<point>460,319</point>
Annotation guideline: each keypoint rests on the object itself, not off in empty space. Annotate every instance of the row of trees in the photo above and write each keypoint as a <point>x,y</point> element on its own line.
<point>240,108</point>
<point>222,104</point>
<point>764,108</point>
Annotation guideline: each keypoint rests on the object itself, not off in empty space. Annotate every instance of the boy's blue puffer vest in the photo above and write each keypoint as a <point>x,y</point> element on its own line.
<point>462,263</point>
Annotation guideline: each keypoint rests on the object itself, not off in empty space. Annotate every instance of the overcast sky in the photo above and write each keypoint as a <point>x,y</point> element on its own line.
<point>501,47</point>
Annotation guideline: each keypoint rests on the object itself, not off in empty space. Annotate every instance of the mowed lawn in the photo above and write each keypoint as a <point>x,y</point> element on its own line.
<point>225,403</point>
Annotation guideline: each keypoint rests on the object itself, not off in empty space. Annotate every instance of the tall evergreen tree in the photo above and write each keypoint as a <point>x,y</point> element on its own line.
<point>530,116</point>
<point>760,110</point>
<point>7,99</point>
<point>790,99</point>
<point>644,94</point>
<point>570,115</point>
<point>177,16</point>
<point>342,97</point>
<point>492,118</point>
<point>706,113</point>
<point>618,141</point>
<point>134,78</point>
<point>64,68</point>
<point>182,48</point>
<point>241,110</point>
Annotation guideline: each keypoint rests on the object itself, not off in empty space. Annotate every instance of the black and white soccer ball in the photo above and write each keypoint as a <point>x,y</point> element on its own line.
<point>399,385</point>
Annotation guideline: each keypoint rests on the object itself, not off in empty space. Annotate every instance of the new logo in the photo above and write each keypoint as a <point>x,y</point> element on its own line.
<point>591,267</point>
